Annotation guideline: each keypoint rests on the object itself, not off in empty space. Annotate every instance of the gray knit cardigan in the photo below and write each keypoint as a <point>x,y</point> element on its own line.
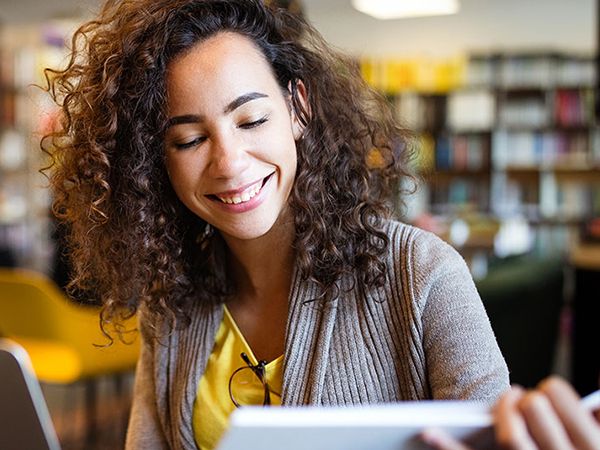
<point>424,335</point>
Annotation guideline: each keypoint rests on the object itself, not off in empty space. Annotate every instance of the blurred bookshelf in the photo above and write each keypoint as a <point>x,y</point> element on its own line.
<point>25,115</point>
<point>504,138</point>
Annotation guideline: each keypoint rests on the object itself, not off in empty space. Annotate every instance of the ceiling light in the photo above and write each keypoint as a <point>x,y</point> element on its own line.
<point>396,9</point>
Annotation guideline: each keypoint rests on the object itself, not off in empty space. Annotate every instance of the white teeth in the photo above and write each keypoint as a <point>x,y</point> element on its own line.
<point>244,196</point>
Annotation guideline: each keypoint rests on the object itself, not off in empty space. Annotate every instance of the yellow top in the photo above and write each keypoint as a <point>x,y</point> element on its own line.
<point>213,404</point>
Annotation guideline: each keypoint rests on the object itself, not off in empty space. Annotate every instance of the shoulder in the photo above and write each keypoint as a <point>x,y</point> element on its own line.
<point>424,264</point>
<point>420,250</point>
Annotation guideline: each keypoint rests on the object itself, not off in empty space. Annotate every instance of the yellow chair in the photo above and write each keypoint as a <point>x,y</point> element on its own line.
<point>63,338</point>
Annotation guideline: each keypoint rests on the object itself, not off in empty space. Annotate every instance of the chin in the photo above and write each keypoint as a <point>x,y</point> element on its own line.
<point>248,233</point>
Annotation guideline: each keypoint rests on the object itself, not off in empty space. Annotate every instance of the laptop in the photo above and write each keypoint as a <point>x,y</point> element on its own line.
<point>24,419</point>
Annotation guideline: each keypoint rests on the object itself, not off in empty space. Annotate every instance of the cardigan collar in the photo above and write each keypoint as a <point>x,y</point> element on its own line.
<point>308,335</point>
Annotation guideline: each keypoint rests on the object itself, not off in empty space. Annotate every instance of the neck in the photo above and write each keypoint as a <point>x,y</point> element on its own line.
<point>262,267</point>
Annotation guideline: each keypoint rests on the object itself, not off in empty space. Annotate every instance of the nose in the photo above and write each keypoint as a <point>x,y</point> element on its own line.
<point>228,155</point>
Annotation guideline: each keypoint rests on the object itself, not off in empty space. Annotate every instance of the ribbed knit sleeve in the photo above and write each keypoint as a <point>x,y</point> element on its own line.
<point>462,356</point>
<point>145,429</point>
<point>166,381</point>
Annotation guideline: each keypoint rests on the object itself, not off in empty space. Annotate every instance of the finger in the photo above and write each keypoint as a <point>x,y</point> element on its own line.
<point>579,423</point>
<point>543,422</point>
<point>510,426</point>
<point>440,440</point>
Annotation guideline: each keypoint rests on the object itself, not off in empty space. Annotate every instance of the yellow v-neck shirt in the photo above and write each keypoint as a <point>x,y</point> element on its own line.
<point>213,404</point>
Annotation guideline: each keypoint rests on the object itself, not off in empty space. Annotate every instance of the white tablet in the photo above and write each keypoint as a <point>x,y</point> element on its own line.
<point>24,419</point>
<point>382,427</point>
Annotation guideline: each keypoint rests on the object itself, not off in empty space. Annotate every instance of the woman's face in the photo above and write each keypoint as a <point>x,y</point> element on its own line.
<point>230,143</point>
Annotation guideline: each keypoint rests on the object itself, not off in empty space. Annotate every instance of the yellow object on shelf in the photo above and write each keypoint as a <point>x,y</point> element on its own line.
<point>426,75</point>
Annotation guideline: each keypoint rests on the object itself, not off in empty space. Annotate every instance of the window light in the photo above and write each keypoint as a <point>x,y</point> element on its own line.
<point>396,9</point>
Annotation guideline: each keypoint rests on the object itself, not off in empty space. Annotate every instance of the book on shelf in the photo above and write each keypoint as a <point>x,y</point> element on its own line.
<point>457,194</point>
<point>574,107</point>
<point>462,153</point>
<point>524,112</point>
<point>471,110</point>
<point>13,150</point>
<point>421,112</point>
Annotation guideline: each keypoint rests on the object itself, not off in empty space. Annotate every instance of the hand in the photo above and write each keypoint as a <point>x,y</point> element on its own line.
<point>549,417</point>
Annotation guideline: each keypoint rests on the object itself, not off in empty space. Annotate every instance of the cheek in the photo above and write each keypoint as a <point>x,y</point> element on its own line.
<point>290,167</point>
<point>294,164</point>
<point>288,150</point>
<point>293,157</point>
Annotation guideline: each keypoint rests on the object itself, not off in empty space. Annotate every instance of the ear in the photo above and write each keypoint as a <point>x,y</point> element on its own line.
<point>298,123</point>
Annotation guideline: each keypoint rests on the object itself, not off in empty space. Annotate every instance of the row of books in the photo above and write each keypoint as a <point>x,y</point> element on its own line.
<point>556,205</point>
<point>462,152</point>
<point>459,194</point>
<point>543,70</point>
<point>481,109</point>
<point>560,202</point>
<point>559,108</point>
<point>545,149</point>
<point>550,150</point>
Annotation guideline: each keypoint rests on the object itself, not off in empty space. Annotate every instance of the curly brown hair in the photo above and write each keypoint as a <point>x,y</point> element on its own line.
<point>132,242</point>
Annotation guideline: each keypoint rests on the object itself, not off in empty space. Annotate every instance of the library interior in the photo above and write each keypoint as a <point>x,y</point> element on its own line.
<point>502,102</point>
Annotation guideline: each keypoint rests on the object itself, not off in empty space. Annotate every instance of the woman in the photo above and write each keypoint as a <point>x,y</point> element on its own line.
<point>229,175</point>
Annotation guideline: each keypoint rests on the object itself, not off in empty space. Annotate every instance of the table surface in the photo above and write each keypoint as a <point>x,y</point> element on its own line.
<point>586,256</point>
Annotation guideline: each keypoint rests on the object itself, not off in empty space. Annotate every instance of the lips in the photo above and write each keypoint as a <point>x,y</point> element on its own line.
<point>241,195</point>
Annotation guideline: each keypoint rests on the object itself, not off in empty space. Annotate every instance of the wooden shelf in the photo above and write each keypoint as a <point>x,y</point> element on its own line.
<point>545,222</point>
<point>570,129</point>
<point>567,170</point>
<point>444,179</point>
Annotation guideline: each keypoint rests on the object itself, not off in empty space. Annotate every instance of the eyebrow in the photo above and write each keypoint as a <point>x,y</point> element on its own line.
<point>232,106</point>
<point>243,99</point>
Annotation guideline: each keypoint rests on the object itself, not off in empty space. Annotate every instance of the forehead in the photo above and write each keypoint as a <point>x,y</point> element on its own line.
<point>224,62</point>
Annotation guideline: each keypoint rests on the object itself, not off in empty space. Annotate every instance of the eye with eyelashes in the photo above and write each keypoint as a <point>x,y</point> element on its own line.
<point>189,144</point>
<point>200,139</point>
<point>254,123</point>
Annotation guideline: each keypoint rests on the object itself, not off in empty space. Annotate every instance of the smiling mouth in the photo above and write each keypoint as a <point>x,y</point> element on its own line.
<point>243,196</point>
